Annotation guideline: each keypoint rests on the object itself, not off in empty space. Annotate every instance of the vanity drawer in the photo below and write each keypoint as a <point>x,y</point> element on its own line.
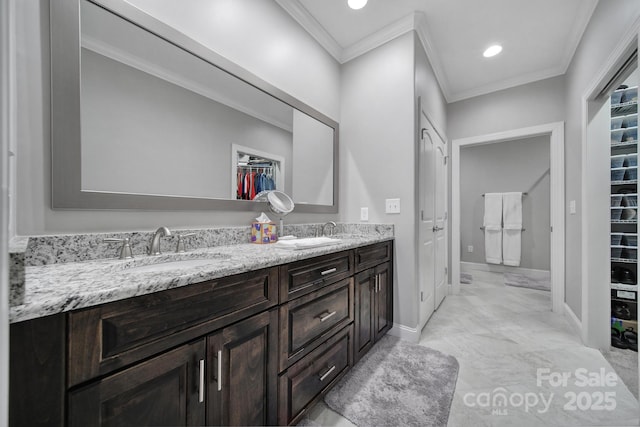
<point>305,320</point>
<point>107,337</point>
<point>302,277</point>
<point>310,378</point>
<point>372,255</point>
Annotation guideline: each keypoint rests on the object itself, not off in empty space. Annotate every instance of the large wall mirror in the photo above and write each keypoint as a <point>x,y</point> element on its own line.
<point>144,117</point>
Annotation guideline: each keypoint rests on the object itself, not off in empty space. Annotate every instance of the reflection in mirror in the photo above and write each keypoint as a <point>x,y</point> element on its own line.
<point>158,122</point>
<point>255,172</point>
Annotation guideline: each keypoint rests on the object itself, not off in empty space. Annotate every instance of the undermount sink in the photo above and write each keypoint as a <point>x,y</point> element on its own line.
<point>164,264</point>
<point>307,243</point>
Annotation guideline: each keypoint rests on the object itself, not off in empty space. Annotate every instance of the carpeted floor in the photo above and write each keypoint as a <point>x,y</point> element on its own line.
<point>397,383</point>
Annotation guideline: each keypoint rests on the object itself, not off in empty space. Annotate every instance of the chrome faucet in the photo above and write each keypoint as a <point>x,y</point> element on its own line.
<point>154,248</point>
<point>333,227</point>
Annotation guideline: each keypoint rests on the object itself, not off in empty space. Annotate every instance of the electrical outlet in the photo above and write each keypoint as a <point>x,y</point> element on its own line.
<point>392,205</point>
<point>470,248</point>
<point>364,214</point>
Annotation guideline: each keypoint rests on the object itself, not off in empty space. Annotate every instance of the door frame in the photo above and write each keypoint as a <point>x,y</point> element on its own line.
<point>595,319</point>
<point>555,131</point>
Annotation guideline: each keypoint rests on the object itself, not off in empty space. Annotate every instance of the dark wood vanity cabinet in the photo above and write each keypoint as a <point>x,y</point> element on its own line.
<point>166,390</point>
<point>257,348</point>
<point>373,296</point>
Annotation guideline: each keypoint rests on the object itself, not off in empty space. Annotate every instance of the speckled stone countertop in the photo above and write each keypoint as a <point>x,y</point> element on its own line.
<point>61,287</point>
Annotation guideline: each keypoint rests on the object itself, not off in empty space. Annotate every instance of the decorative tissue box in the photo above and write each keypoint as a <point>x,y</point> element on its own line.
<point>264,232</point>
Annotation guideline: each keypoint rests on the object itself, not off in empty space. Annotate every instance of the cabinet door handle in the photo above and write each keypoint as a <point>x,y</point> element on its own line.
<point>326,316</point>
<point>326,374</point>
<point>329,271</point>
<point>219,370</point>
<point>201,390</point>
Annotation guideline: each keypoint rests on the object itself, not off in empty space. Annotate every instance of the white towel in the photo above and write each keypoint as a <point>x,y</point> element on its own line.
<point>512,228</point>
<point>512,211</point>
<point>493,228</point>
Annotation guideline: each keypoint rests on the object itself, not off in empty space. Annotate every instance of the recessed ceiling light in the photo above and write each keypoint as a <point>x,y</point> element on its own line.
<point>357,4</point>
<point>492,51</point>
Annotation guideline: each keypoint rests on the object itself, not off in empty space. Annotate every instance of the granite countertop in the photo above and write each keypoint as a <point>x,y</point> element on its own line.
<point>57,288</point>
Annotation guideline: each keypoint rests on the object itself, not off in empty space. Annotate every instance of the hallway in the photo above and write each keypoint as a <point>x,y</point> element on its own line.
<point>501,336</point>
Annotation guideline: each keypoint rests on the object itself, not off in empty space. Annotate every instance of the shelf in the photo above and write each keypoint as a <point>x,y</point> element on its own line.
<point>624,144</point>
<point>624,287</point>
<point>624,221</point>
<point>625,182</point>
<point>624,260</point>
<point>627,108</point>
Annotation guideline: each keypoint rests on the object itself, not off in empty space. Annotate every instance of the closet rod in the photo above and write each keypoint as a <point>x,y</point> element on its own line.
<point>524,194</point>
<point>523,229</point>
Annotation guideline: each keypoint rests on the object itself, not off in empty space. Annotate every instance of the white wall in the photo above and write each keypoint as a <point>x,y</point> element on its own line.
<point>256,34</point>
<point>609,22</point>
<point>378,149</point>
<point>520,165</point>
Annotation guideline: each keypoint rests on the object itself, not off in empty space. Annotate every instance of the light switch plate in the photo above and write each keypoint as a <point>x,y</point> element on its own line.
<point>364,214</point>
<point>572,207</point>
<point>470,248</point>
<point>392,206</point>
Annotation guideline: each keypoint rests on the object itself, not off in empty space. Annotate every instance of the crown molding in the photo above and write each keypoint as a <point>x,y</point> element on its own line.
<point>583,17</point>
<point>422,30</point>
<point>312,26</point>
<point>506,84</point>
<point>380,37</point>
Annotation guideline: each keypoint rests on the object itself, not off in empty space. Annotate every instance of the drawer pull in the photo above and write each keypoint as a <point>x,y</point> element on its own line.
<point>329,271</point>
<point>327,316</point>
<point>219,370</point>
<point>326,374</point>
<point>201,390</point>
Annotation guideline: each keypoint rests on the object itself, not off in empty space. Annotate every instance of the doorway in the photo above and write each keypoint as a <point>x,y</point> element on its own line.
<point>555,131</point>
<point>432,219</point>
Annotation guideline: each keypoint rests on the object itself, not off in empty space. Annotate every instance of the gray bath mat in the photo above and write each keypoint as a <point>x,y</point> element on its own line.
<point>466,278</point>
<point>397,383</point>
<point>522,281</point>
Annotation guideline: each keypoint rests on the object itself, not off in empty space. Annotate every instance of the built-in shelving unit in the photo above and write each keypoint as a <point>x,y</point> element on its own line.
<point>624,207</point>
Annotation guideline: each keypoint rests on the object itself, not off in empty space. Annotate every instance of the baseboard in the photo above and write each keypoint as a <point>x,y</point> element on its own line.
<point>575,323</point>
<point>468,267</point>
<point>405,333</point>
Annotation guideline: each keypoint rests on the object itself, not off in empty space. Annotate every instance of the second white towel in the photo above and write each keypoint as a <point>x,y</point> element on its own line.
<point>512,228</point>
<point>493,228</point>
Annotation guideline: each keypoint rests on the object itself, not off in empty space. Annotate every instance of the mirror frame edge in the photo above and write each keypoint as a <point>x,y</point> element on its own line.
<point>66,192</point>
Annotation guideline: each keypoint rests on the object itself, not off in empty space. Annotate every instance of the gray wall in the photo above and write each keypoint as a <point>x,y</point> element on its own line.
<point>520,165</point>
<point>610,21</point>
<point>377,153</point>
<point>299,66</point>
<point>312,173</point>
<point>130,117</point>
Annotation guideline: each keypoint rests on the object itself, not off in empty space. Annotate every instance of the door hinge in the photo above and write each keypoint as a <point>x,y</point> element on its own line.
<point>445,159</point>
<point>446,215</point>
<point>422,131</point>
<point>446,270</point>
<point>421,215</point>
<point>421,296</point>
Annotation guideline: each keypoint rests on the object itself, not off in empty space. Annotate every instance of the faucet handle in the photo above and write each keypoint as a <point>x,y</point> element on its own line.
<point>180,245</point>
<point>125,249</point>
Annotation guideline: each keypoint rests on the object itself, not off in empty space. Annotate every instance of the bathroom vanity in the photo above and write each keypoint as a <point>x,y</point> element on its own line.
<point>258,347</point>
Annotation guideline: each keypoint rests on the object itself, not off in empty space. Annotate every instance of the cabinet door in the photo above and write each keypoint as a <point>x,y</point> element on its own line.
<point>365,306</point>
<point>243,372</point>
<point>383,314</point>
<point>167,390</point>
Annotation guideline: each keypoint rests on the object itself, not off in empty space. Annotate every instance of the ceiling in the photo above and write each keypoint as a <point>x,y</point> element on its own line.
<point>539,37</point>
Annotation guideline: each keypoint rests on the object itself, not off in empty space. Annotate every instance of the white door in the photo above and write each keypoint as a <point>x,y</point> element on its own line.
<point>426,222</point>
<point>432,219</point>
<point>440,231</point>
